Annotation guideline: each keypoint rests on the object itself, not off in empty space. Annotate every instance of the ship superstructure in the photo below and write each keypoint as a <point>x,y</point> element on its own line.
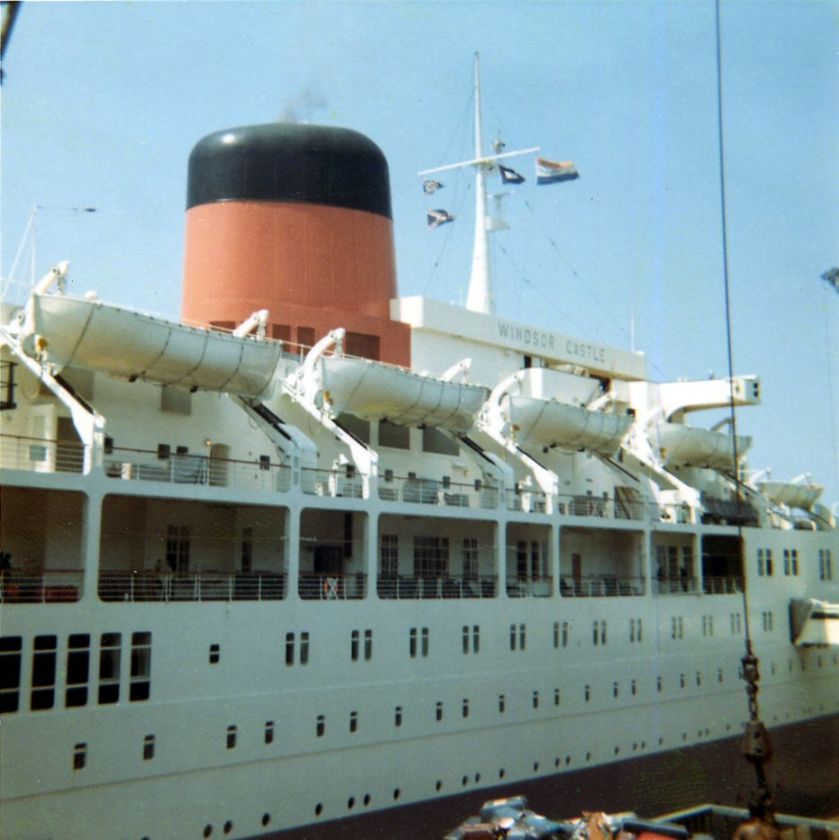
<point>335,552</point>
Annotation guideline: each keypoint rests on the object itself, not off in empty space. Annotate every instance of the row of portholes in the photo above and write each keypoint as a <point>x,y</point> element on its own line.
<point>228,825</point>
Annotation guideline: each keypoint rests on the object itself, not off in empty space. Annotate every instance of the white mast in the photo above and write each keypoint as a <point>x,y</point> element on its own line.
<point>479,298</point>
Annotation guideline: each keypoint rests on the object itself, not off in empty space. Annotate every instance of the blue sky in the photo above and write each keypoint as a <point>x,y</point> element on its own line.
<point>103,102</point>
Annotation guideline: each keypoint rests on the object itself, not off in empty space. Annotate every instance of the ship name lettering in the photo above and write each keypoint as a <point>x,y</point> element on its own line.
<point>585,351</point>
<point>528,336</point>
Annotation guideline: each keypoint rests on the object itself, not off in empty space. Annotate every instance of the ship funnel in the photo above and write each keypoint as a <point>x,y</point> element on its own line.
<point>295,219</point>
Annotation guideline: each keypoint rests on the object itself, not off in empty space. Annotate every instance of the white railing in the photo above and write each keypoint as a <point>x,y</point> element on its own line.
<point>40,455</point>
<point>148,465</point>
<point>203,586</point>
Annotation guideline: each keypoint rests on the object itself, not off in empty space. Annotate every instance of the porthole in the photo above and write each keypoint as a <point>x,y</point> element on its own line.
<point>266,818</point>
<point>502,773</point>
<point>617,750</point>
<point>556,762</point>
<point>567,760</point>
<point>208,831</point>
<point>535,766</point>
<point>228,827</point>
<point>477,778</point>
<point>439,785</point>
<point>465,781</point>
<point>366,798</point>
<point>318,809</point>
<point>351,803</point>
<point>588,756</point>
<point>397,793</point>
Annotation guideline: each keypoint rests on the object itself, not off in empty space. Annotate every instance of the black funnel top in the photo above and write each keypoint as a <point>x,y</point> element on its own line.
<point>281,162</point>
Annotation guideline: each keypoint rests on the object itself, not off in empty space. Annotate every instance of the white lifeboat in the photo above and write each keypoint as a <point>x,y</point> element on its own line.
<point>791,493</point>
<point>814,622</point>
<point>553,423</point>
<point>376,391</point>
<point>85,332</point>
<point>689,446</point>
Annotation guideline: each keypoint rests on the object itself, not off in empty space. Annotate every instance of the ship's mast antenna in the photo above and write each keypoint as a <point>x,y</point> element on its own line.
<point>479,297</point>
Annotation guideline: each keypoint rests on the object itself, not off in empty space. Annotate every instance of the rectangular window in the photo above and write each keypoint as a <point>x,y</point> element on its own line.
<point>795,561</point>
<point>431,557</point>
<point>148,748</point>
<point>786,562</point>
<point>389,555</point>
<point>43,673</point>
<point>110,658</point>
<point>289,648</point>
<point>502,703</point>
<point>354,645</point>
<point>439,710</point>
<point>78,669</point>
<point>178,540</point>
<point>565,630</point>
<point>424,640</point>
<point>304,648</point>
<point>79,756</point>
<point>10,664</point>
<point>231,737</point>
<point>761,566</point>
<point>353,721</point>
<point>412,642</point>
<point>397,716</point>
<point>476,638</point>
<point>269,732</point>
<point>320,727</point>
<point>470,558</point>
<point>368,644</point>
<point>393,436</point>
<point>140,687</point>
<point>247,551</point>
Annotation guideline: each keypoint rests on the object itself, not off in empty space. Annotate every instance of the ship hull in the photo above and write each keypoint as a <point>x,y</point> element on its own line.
<point>802,774</point>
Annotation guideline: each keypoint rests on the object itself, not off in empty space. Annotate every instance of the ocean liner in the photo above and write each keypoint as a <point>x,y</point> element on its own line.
<point>316,557</point>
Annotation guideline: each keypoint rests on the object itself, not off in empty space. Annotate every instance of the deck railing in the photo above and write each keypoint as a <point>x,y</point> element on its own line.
<point>432,491</point>
<point>19,452</point>
<point>601,586</point>
<point>187,468</point>
<point>410,588</point>
<point>722,584</point>
<point>313,586</point>
<point>204,586</point>
<point>542,587</point>
<point>48,587</point>
<point>675,586</point>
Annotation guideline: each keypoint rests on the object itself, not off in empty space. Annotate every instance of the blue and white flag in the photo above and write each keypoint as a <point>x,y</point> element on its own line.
<point>510,176</point>
<point>430,186</point>
<point>550,172</point>
<point>438,217</point>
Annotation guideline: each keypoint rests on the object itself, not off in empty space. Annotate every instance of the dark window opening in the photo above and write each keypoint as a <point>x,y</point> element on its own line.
<point>10,664</point>
<point>43,673</point>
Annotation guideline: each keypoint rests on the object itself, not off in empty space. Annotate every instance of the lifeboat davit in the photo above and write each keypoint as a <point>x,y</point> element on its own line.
<point>689,446</point>
<point>376,391</point>
<point>87,333</point>
<point>553,423</point>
